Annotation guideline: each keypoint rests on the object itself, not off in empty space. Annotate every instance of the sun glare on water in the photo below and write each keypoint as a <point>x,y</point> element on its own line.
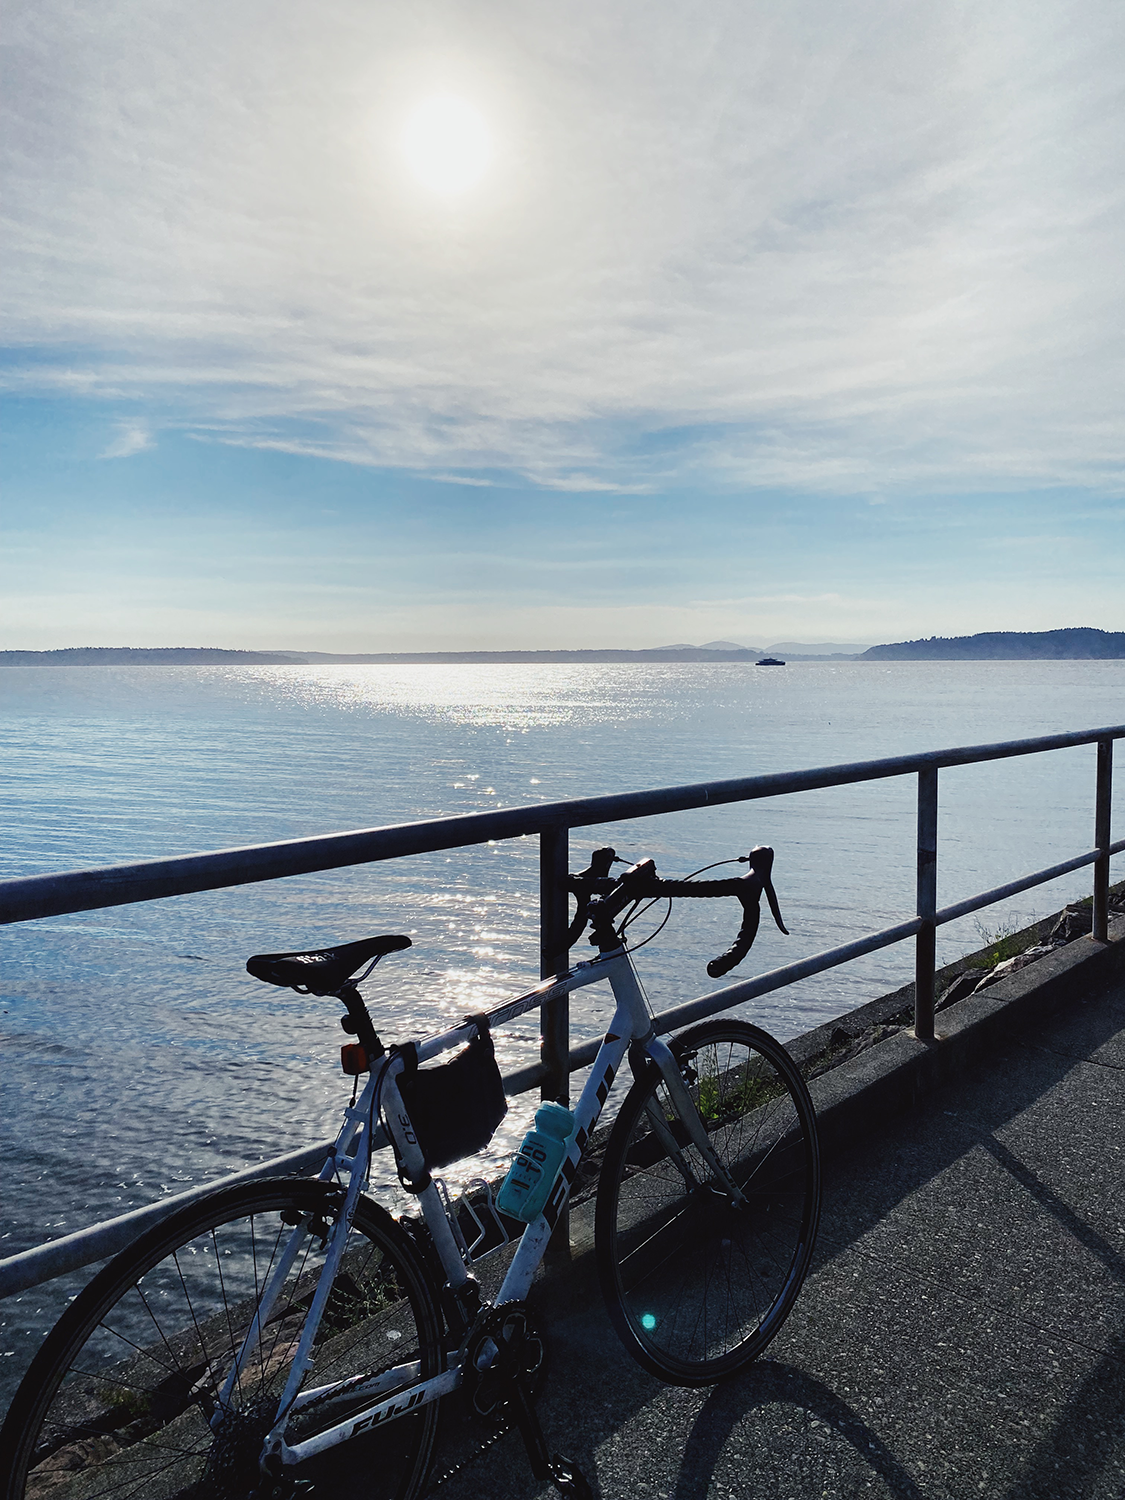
<point>447,144</point>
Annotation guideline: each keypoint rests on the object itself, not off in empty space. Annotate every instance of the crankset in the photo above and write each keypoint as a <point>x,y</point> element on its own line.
<point>286,1489</point>
<point>504,1356</point>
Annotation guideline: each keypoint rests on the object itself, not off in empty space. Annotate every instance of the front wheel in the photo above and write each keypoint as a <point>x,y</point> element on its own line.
<point>700,1268</point>
<point>122,1399</point>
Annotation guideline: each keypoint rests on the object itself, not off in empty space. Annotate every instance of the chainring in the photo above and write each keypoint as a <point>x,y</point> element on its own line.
<point>507,1342</point>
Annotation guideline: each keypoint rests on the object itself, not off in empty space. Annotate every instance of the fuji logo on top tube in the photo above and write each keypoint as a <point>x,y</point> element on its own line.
<point>393,1410</point>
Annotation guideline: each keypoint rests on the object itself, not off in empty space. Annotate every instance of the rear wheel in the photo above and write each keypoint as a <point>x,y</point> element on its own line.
<point>121,1400</point>
<point>697,1282</point>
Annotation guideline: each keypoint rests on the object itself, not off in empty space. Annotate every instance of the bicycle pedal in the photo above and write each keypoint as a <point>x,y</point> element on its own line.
<point>286,1489</point>
<point>569,1480</point>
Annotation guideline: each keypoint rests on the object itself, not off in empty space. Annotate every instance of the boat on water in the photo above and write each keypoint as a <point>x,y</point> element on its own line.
<point>770,661</point>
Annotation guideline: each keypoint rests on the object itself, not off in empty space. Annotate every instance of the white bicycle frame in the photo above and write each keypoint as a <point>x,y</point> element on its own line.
<point>350,1158</point>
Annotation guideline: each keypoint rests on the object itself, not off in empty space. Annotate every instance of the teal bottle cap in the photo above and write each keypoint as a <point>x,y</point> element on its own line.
<point>554,1120</point>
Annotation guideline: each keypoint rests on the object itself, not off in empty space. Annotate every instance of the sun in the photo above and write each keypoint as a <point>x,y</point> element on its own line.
<point>447,144</point>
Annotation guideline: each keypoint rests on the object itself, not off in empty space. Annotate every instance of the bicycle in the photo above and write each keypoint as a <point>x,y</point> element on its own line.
<point>274,1335</point>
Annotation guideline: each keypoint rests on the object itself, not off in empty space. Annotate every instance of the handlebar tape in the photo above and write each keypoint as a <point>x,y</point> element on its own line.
<point>748,888</point>
<point>758,879</point>
<point>740,947</point>
<point>578,926</point>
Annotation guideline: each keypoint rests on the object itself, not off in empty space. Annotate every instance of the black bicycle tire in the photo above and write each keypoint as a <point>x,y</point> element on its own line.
<point>81,1323</point>
<point>676,1254</point>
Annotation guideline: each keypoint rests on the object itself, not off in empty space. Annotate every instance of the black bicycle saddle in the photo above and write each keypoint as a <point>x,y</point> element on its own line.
<point>323,970</point>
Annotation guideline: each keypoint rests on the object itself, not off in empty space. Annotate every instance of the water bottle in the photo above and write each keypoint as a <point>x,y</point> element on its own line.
<point>533,1173</point>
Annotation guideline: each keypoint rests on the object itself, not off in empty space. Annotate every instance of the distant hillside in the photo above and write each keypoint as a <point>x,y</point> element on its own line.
<point>1007,645</point>
<point>1004,645</point>
<point>597,655</point>
<point>144,656</point>
<point>171,656</point>
<point>828,650</point>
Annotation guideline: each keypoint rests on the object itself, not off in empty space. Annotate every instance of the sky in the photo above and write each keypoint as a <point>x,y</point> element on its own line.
<point>365,326</point>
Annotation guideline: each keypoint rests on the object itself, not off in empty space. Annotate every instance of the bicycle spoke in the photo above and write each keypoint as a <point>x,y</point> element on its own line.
<point>698,1282</point>
<point>120,1401</point>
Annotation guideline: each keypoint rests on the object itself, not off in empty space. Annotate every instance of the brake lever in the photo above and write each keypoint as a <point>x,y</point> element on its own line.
<point>595,880</point>
<point>760,860</point>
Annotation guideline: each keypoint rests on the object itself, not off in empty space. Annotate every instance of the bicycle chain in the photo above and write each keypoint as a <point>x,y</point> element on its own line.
<point>471,1458</point>
<point>488,1316</point>
<point>450,1473</point>
<point>482,1447</point>
<point>335,1393</point>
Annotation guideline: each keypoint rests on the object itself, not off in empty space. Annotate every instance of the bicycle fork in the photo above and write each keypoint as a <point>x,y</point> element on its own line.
<point>627,991</point>
<point>664,1058</point>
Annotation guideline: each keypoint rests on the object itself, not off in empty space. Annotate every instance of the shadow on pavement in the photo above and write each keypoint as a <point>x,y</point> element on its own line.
<point>778,1432</point>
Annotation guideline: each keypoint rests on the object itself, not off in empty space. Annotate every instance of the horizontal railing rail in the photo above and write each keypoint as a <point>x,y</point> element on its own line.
<point>37,896</point>
<point>34,896</point>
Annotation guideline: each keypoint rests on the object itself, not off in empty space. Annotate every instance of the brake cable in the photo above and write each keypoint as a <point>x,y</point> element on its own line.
<point>639,910</point>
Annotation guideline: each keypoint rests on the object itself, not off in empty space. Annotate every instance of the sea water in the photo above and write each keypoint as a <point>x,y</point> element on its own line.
<point>140,1058</point>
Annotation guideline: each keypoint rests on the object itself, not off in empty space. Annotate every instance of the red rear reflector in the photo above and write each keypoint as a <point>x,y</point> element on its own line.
<point>353,1058</point>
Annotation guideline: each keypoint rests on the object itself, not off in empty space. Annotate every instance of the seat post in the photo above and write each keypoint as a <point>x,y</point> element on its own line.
<point>362,1024</point>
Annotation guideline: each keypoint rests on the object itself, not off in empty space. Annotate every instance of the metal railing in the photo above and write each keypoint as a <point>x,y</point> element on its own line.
<point>118,885</point>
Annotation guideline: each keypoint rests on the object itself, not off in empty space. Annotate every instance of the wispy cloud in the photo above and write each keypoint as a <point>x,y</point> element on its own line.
<point>854,248</point>
<point>473,483</point>
<point>835,600</point>
<point>132,437</point>
<point>583,484</point>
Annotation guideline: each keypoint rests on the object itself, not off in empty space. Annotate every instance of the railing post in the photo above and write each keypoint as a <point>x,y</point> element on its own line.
<point>554,1036</point>
<point>553,922</point>
<point>926,942</point>
<point>1102,840</point>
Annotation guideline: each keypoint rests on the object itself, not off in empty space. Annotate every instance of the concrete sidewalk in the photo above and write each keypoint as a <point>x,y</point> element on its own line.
<point>961,1334</point>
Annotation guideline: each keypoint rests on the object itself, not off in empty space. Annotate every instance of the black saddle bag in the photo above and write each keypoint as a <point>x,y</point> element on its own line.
<point>456,1107</point>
